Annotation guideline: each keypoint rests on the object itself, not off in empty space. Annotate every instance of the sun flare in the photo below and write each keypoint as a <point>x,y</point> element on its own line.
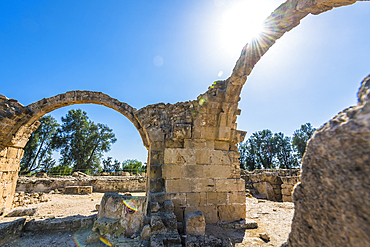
<point>242,21</point>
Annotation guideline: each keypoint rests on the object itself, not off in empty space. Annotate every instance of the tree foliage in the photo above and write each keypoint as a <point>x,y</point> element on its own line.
<point>38,150</point>
<point>301,137</point>
<point>133,166</point>
<point>265,150</point>
<point>82,142</point>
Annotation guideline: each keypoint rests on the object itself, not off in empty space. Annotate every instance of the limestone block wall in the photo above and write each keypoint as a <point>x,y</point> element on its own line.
<point>288,186</point>
<point>9,168</point>
<point>198,177</point>
<point>99,183</point>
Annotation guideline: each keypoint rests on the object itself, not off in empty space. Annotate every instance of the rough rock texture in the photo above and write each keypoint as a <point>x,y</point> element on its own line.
<point>332,201</point>
<point>11,229</point>
<point>21,198</point>
<point>19,212</point>
<point>195,223</point>
<point>126,214</point>
<point>60,224</point>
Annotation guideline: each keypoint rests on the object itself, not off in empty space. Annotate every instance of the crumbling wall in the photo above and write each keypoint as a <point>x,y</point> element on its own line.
<point>271,184</point>
<point>194,158</point>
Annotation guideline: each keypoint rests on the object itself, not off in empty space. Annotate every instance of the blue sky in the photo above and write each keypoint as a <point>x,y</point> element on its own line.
<point>147,52</point>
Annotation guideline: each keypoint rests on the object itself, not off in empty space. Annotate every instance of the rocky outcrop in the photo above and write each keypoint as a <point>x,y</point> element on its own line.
<point>332,201</point>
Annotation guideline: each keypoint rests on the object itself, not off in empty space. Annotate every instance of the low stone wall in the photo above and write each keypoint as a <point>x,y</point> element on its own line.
<point>287,187</point>
<point>99,183</point>
<point>271,184</point>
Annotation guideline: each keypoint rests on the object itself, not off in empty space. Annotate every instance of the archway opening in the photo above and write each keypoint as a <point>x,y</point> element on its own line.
<point>121,169</point>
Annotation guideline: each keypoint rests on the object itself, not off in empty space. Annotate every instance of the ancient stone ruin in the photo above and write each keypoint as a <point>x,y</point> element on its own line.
<point>193,157</point>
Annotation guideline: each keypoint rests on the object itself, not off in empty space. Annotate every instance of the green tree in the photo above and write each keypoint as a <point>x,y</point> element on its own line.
<point>133,166</point>
<point>107,164</point>
<point>248,157</point>
<point>117,166</point>
<point>265,148</point>
<point>38,150</point>
<point>284,152</point>
<point>81,142</point>
<point>300,138</point>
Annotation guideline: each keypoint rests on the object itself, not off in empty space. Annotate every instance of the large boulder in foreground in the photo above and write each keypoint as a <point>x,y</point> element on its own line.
<point>332,201</point>
<point>119,215</point>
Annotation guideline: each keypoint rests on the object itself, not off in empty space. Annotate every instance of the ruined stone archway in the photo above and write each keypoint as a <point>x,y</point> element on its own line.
<point>46,105</point>
<point>188,140</point>
<point>18,122</point>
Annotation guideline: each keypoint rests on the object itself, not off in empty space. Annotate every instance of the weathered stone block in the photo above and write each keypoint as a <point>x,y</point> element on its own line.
<point>236,197</point>
<point>222,145</point>
<point>172,171</point>
<point>202,185</point>
<point>156,185</point>
<point>196,199</point>
<point>178,199</point>
<point>78,189</point>
<point>199,144</point>
<point>174,144</point>
<point>192,171</point>
<point>195,223</point>
<point>216,198</point>
<point>218,171</point>
<point>12,153</point>
<point>179,156</point>
<point>155,171</point>
<point>155,134</point>
<point>203,120</point>
<point>178,185</point>
<point>224,133</point>
<point>219,157</point>
<point>209,212</point>
<point>226,185</point>
<point>265,189</point>
<point>86,190</point>
<point>130,211</point>
<point>156,157</point>
<point>168,206</point>
<point>231,212</point>
<point>203,157</point>
<point>182,131</point>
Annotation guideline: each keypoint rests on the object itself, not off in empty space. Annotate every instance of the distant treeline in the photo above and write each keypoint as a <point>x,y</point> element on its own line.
<point>265,150</point>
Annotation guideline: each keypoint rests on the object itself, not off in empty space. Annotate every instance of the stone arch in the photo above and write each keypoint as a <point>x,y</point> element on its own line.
<point>38,109</point>
<point>17,123</point>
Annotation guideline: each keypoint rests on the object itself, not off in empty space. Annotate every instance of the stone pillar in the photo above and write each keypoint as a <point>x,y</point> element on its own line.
<point>10,158</point>
<point>198,177</point>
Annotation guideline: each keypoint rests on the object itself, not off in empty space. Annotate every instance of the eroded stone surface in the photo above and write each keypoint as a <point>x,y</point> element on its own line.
<point>195,223</point>
<point>332,200</point>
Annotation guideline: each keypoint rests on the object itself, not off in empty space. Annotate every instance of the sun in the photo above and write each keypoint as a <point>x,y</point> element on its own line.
<point>242,21</point>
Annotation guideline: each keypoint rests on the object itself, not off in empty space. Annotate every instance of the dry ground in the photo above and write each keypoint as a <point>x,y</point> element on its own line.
<point>273,218</point>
